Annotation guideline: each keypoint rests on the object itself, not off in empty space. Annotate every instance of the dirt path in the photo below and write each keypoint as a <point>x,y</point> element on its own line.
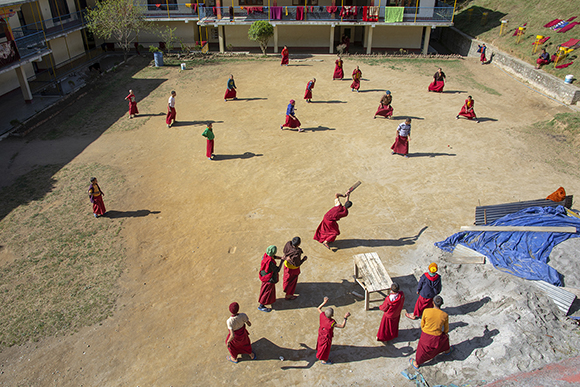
<point>202,249</point>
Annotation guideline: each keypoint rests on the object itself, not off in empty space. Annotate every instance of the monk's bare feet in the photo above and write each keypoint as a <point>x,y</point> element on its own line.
<point>412,317</point>
<point>232,360</point>
<point>253,356</point>
<point>326,245</point>
<point>291,297</point>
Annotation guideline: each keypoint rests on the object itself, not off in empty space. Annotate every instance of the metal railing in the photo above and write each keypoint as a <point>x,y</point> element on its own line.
<point>52,27</point>
<point>30,44</point>
<point>283,14</point>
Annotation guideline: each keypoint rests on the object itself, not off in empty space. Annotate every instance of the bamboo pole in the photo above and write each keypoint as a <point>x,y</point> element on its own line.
<point>416,10</point>
<point>167,3</point>
<point>454,7</point>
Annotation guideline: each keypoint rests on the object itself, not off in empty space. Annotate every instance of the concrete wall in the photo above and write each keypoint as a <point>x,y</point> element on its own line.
<point>397,37</point>
<point>465,45</point>
<point>9,80</point>
<point>59,47</point>
<point>303,36</point>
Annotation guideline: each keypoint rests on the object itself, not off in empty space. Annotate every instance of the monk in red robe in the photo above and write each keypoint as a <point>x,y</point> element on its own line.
<point>438,81</point>
<point>326,332</point>
<point>328,230</point>
<point>285,56</point>
<point>291,120</point>
<point>401,145</point>
<point>238,340</point>
<point>231,92</point>
<point>269,277</point>
<point>434,334</point>
<point>96,197</point>
<point>308,92</point>
<point>393,305</point>
<point>544,59</point>
<point>133,111</point>
<point>170,119</point>
<point>356,76</point>
<point>385,109</point>
<point>292,262</point>
<point>467,110</point>
<point>338,70</point>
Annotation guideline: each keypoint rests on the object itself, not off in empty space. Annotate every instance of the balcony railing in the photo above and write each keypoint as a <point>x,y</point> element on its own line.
<point>30,44</point>
<point>52,27</point>
<point>283,14</point>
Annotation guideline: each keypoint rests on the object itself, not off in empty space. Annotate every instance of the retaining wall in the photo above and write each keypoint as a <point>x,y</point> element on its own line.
<point>465,45</point>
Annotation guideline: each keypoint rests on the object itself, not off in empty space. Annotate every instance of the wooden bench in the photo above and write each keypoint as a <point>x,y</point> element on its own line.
<point>370,273</point>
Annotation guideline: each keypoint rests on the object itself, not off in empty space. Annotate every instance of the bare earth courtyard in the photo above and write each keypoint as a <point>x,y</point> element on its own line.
<point>193,231</point>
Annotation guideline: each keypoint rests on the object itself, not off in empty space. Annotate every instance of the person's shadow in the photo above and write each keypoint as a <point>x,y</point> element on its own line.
<point>249,99</point>
<point>405,117</point>
<point>331,101</point>
<point>246,155</point>
<point>431,154</point>
<point>486,119</point>
<point>129,214</point>
<point>149,115</point>
<point>351,243</point>
<point>463,350</point>
<point>192,123</point>
<point>467,308</point>
<point>339,294</point>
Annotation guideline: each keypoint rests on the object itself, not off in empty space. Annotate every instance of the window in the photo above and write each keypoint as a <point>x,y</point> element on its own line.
<point>251,2</point>
<point>59,8</point>
<point>301,2</point>
<point>161,5</point>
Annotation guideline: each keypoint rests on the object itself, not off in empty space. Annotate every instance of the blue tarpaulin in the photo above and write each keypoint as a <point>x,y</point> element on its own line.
<point>523,254</point>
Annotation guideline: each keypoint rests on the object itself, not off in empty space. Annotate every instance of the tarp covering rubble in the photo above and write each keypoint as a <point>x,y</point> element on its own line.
<point>523,254</point>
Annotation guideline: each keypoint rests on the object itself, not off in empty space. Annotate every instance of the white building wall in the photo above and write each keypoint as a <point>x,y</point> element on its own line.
<point>397,37</point>
<point>303,36</point>
<point>59,47</point>
<point>9,80</point>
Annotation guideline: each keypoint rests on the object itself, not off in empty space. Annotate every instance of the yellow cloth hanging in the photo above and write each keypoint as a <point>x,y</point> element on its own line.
<point>286,11</point>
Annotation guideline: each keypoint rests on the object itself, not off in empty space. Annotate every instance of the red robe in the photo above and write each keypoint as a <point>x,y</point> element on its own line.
<point>240,344</point>
<point>291,122</point>
<point>308,92</point>
<point>285,56</point>
<point>230,94</point>
<point>467,110</point>
<point>290,280</point>
<point>171,114</point>
<point>422,304</point>
<point>325,334</point>
<point>132,104</point>
<point>209,148</point>
<point>356,75</point>
<point>438,82</point>
<point>384,110</point>
<point>430,346</point>
<point>401,145</point>
<point>338,71</point>
<point>328,229</point>
<point>389,328</point>
<point>268,289</point>
<point>98,204</point>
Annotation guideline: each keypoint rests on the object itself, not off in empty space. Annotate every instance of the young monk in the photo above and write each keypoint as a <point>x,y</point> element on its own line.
<point>291,120</point>
<point>209,135</point>
<point>392,307</point>
<point>401,145</point>
<point>285,56</point>
<point>269,276</point>
<point>231,90</point>
<point>544,59</point>
<point>171,113</point>
<point>385,109</point>
<point>308,92</point>
<point>438,81</point>
<point>326,332</point>
<point>356,76</point>
<point>292,262</point>
<point>238,340</point>
<point>481,49</point>
<point>429,286</point>
<point>328,230</point>
<point>467,110</point>
<point>133,111</point>
<point>96,198</point>
<point>338,70</point>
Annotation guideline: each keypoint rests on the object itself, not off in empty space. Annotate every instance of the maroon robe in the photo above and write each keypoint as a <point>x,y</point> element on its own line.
<point>356,75</point>
<point>325,334</point>
<point>97,201</point>
<point>285,57</point>
<point>438,82</point>
<point>240,344</point>
<point>384,110</point>
<point>467,110</point>
<point>328,229</point>
<point>268,288</point>
<point>308,92</point>
<point>338,71</point>
<point>290,280</point>
<point>132,104</point>
<point>422,304</point>
<point>171,114</point>
<point>209,148</point>
<point>291,122</point>
<point>389,328</point>
<point>401,145</point>
<point>430,346</point>
<point>230,94</point>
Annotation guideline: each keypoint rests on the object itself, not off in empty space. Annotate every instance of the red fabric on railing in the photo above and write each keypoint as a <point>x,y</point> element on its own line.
<point>331,9</point>
<point>299,13</point>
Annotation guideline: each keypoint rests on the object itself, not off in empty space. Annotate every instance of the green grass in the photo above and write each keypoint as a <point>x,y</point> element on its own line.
<point>517,12</point>
<point>67,262</point>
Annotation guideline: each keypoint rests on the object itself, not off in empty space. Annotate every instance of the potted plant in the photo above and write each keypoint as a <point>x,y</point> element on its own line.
<point>157,55</point>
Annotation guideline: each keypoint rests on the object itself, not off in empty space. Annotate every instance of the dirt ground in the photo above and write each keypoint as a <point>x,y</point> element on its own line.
<point>204,225</point>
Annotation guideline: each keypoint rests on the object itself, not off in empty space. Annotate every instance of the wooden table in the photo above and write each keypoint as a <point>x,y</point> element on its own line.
<point>370,273</point>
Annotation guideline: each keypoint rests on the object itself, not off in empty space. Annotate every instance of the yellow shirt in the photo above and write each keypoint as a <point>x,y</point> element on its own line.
<point>435,322</point>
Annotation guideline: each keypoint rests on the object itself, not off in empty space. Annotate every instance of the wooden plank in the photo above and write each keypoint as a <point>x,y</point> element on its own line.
<point>462,260</point>
<point>518,228</point>
<point>463,254</point>
<point>372,272</point>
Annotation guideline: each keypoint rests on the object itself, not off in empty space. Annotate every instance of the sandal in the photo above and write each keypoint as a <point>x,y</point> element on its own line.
<point>232,360</point>
<point>328,362</point>
<point>412,362</point>
<point>253,356</point>
<point>451,348</point>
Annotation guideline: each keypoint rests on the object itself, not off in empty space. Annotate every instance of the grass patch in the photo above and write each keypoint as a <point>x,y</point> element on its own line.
<point>67,261</point>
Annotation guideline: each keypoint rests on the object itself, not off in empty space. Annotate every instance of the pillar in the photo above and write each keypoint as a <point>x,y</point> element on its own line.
<point>370,39</point>
<point>23,81</point>
<point>426,40</point>
<point>221,38</point>
<point>275,39</point>
<point>331,49</point>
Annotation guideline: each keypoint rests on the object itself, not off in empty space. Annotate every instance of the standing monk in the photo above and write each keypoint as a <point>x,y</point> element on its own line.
<point>328,230</point>
<point>481,49</point>
<point>385,109</point>
<point>171,113</point>
<point>285,56</point>
<point>438,81</point>
<point>208,133</point>
<point>231,90</point>
<point>467,110</point>
<point>292,262</point>
<point>291,120</point>
<point>326,332</point>
<point>356,76</point>
<point>401,145</point>
<point>96,197</point>
<point>269,277</point>
<point>238,340</point>
<point>429,286</point>
<point>308,92</point>
<point>434,334</point>
<point>393,305</point>
<point>346,42</point>
<point>133,111</point>
<point>338,71</point>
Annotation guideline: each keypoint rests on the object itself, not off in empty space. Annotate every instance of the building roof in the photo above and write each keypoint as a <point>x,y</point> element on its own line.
<point>8,3</point>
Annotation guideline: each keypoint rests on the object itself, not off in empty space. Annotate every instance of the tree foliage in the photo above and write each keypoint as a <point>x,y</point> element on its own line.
<point>261,31</point>
<point>118,19</point>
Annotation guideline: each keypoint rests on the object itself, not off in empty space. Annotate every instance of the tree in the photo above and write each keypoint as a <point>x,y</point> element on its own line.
<point>120,19</point>
<point>261,31</point>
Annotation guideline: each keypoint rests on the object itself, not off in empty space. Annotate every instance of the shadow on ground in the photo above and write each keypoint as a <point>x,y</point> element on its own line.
<point>351,243</point>
<point>311,294</point>
<point>129,214</point>
<point>246,155</point>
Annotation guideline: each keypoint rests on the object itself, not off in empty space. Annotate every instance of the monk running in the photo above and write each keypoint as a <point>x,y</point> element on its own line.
<point>171,113</point>
<point>328,230</point>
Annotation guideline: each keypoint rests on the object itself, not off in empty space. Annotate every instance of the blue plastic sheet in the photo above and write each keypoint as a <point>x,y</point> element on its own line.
<point>523,254</point>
